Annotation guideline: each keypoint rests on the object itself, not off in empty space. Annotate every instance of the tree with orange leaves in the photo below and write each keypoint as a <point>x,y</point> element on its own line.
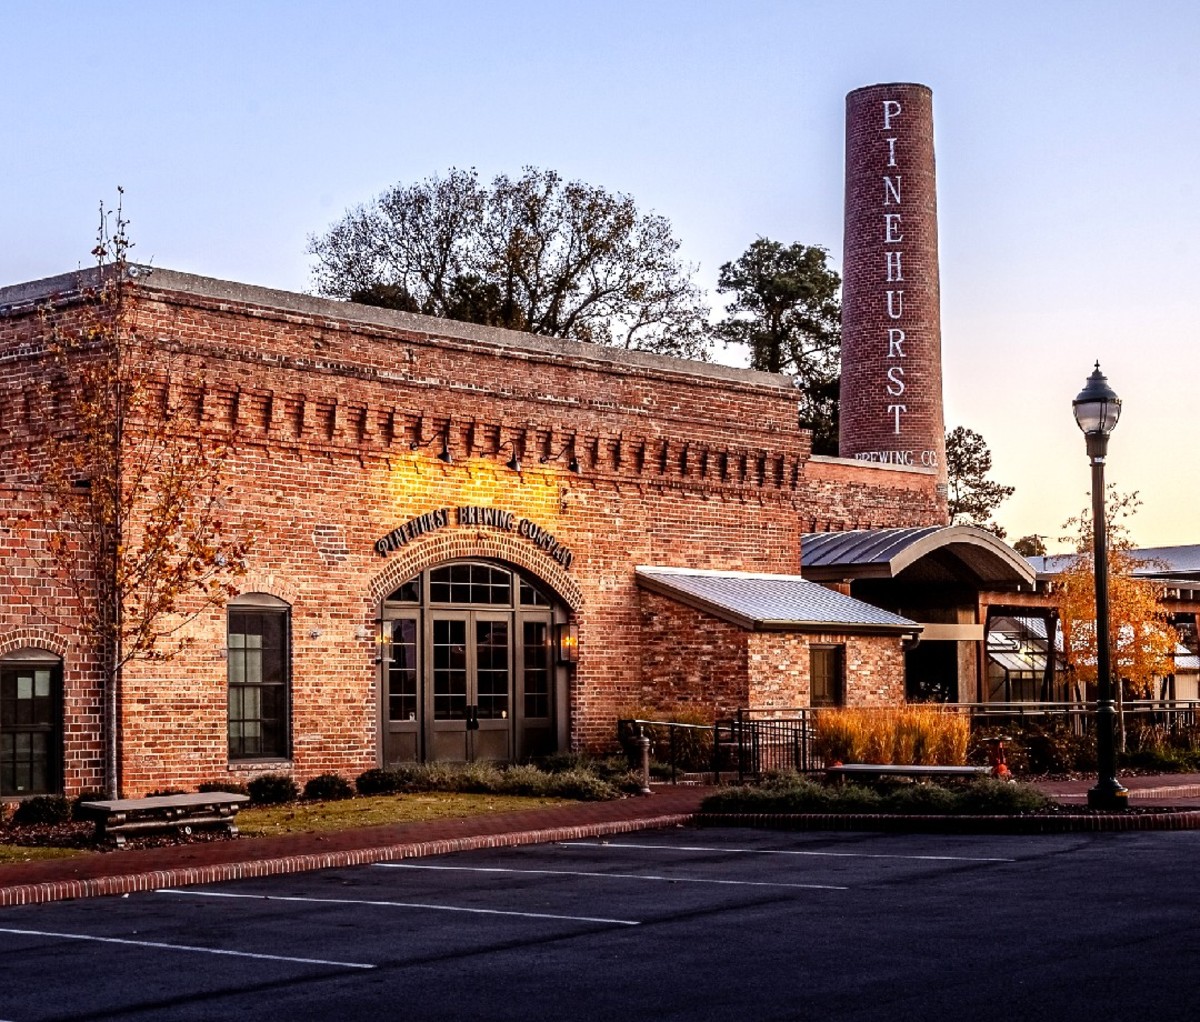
<point>1143,641</point>
<point>133,502</point>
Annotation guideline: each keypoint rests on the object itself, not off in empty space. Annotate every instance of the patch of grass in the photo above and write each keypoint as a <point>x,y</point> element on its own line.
<point>35,853</point>
<point>379,809</point>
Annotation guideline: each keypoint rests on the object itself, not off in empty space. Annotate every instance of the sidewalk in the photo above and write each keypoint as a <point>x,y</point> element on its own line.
<point>1177,790</point>
<point>144,869</point>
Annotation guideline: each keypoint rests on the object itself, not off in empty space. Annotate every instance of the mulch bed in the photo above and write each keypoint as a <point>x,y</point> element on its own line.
<point>82,835</point>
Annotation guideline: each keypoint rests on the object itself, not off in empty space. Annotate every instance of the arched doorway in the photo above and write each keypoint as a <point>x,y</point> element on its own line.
<point>469,671</point>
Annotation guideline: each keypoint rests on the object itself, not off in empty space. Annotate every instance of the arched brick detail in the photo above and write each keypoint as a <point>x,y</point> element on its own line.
<point>463,544</point>
<point>272,585</point>
<point>34,638</point>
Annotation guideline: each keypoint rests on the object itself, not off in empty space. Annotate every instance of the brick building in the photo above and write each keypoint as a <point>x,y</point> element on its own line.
<point>448,523</point>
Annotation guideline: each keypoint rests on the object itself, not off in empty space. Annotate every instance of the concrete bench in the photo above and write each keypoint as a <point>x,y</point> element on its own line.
<point>116,818</point>
<point>845,770</point>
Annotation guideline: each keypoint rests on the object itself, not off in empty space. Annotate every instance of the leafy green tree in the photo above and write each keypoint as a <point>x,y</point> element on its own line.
<point>533,253</point>
<point>974,498</point>
<point>1032,545</point>
<point>787,311</point>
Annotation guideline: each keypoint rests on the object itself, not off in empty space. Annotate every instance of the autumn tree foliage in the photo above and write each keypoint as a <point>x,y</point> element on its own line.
<point>1143,641</point>
<point>133,501</point>
<point>533,252</point>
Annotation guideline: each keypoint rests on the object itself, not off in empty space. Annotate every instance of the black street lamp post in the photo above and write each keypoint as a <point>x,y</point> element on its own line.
<point>1097,409</point>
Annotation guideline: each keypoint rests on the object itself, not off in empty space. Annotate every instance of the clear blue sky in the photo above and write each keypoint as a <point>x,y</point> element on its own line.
<point>1067,143</point>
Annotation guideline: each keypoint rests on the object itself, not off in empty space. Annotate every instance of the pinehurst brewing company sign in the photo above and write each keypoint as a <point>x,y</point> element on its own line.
<point>486,517</point>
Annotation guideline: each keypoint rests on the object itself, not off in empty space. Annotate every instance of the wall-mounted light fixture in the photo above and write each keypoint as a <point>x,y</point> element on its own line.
<point>568,642</point>
<point>515,461</point>
<point>444,436</point>
<point>573,464</point>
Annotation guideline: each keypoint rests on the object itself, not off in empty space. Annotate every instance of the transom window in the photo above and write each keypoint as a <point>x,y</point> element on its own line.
<point>469,583</point>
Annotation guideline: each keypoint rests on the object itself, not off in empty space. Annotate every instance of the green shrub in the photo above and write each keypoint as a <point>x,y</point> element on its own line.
<point>272,789</point>
<point>801,795</point>
<point>232,787</point>
<point>1166,760</point>
<point>923,800</point>
<point>328,788</point>
<point>577,782</point>
<point>378,781</point>
<point>587,787</point>
<point>42,809</point>
<point>989,796</point>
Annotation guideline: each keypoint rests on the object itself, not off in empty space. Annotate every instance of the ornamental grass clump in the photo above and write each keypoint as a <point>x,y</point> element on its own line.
<point>920,735</point>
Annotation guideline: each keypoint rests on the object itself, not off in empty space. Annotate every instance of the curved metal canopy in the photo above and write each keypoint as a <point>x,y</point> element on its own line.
<point>928,551</point>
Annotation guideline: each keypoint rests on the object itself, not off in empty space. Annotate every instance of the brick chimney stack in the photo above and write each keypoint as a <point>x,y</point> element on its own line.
<point>891,392</point>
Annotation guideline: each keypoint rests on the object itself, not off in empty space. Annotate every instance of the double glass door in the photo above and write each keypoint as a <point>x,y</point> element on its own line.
<point>465,683</point>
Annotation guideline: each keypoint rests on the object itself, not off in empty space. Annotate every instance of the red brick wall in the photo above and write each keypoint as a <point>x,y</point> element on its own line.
<point>39,611</point>
<point>689,658</point>
<point>891,391</point>
<point>779,668</point>
<point>683,465</point>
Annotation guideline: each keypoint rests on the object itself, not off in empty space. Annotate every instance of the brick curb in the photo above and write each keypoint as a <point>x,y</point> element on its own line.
<point>1065,824</point>
<point>62,890</point>
<point>1170,790</point>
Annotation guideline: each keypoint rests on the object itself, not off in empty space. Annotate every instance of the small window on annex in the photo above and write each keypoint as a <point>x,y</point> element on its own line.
<point>30,723</point>
<point>827,675</point>
<point>259,673</point>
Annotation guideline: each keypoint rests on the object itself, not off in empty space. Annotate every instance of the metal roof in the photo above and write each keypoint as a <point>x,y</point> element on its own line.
<point>764,602</point>
<point>1180,564</point>
<point>885,553</point>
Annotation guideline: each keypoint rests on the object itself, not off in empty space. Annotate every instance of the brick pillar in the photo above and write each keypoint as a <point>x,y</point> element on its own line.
<point>891,393</point>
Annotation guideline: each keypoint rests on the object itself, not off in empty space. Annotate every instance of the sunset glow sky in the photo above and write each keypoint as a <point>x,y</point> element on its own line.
<point>1066,137</point>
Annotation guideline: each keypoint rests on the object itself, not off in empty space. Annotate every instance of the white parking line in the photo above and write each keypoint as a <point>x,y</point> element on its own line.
<point>184,947</point>
<point>614,876</point>
<point>784,851</point>
<point>401,904</point>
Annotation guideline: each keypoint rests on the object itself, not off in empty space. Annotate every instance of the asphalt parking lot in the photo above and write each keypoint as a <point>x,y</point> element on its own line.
<point>681,924</point>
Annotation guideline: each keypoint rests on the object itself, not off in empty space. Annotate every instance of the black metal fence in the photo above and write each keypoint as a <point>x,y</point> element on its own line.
<point>756,742</point>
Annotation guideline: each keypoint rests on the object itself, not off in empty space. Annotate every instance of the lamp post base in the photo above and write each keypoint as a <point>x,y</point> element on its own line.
<point>1109,795</point>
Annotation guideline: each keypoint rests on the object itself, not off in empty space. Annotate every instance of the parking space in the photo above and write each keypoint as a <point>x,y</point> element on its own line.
<point>683,924</point>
